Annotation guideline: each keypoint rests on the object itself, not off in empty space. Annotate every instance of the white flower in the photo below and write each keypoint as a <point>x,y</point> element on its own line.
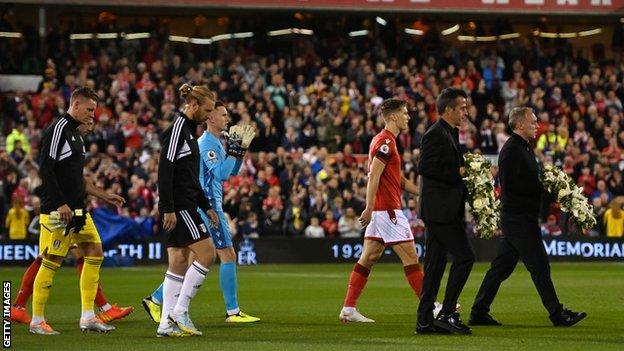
<point>475,165</point>
<point>563,193</point>
<point>484,205</point>
<point>569,195</point>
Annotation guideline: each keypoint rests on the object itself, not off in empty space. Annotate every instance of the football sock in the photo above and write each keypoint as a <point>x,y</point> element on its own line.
<point>42,285</point>
<point>89,279</point>
<point>87,315</point>
<point>79,265</point>
<point>157,295</point>
<point>28,280</point>
<point>414,275</point>
<point>229,286</point>
<point>36,320</point>
<point>100,298</point>
<point>193,280</point>
<point>357,282</point>
<point>171,292</point>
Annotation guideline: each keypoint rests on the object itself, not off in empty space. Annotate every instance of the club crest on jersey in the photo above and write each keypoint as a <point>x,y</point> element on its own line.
<point>57,244</point>
<point>384,148</point>
<point>211,155</point>
<point>202,227</point>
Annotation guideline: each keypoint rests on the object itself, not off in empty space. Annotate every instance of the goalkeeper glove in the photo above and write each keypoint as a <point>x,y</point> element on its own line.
<point>247,135</point>
<point>78,221</point>
<point>235,142</point>
<point>55,222</point>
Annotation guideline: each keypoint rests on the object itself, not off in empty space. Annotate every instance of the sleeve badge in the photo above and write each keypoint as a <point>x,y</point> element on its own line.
<point>385,149</point>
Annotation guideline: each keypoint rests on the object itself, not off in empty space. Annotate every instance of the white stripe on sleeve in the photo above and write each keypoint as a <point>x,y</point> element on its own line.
<point>175,136</point>
<point>56,137</point>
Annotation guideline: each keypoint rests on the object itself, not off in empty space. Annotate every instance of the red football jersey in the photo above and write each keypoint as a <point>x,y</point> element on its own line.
<point>388,195</point>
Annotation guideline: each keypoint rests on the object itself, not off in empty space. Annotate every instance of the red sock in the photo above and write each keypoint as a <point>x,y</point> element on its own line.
<point>414,276</point>
<point>100,299</point>
<point>28,280</point>
<point>357,282</point>
<point>79,264</point>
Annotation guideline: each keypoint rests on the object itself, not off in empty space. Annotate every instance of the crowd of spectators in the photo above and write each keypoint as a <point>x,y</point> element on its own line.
<point>314,107</point>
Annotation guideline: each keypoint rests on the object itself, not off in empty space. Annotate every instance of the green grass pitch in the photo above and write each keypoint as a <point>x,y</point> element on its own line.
<point>299,307</point>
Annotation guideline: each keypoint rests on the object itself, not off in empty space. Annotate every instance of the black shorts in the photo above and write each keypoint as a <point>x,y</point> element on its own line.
<point>190,228</point>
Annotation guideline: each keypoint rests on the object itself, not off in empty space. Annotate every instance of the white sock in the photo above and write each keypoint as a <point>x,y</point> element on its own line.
<point>106,307</point>
<point>86,315</point>
<point>233,312</point>
<point>171,291</point>
<point>349,309</point>
<point>36,320</point>
<point>193,280</point>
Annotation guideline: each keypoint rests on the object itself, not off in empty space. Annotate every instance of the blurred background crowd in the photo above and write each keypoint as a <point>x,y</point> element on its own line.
<point>313,100</point>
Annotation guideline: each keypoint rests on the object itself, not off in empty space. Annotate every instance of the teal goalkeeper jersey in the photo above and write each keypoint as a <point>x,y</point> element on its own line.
<point>215,167</point>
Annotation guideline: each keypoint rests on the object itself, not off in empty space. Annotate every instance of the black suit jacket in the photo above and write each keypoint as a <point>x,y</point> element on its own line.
<point>442,189</point>
<point>518,172</point>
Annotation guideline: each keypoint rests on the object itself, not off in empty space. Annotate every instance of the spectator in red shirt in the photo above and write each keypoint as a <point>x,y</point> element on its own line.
<point>273,200</point>
<point>130,129</point>
<point>587,181</point>
<point>330,225</point>
<point>271,178</point>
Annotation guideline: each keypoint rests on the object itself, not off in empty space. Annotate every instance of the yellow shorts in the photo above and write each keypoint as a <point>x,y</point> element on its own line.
<point>54,242</point>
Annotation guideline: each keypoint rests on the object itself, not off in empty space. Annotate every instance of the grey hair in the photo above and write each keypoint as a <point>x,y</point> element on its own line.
<point>517,114</point>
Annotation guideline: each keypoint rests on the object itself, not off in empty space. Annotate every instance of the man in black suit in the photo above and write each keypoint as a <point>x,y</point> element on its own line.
<point>521,192</point>
<point>442,209</point>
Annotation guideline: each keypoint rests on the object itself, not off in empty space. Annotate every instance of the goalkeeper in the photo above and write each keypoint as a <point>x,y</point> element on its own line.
<point>217,164</point>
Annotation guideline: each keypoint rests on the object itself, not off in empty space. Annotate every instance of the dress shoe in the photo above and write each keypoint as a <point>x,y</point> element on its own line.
<point>430,329</point>
<point>482,319</point>
<point>452,323</point>
<point>567,318</point>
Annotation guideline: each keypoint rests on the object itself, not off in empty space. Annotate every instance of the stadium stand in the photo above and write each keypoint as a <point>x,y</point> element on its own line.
<point>313,102</point>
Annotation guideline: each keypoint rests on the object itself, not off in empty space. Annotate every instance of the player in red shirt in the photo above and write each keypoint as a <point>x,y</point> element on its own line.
<point>385,223</point>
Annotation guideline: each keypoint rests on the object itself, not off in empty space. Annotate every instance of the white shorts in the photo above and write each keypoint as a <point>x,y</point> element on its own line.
<point>389,229</point>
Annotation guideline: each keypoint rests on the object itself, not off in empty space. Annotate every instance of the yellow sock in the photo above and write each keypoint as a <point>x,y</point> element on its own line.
<point>89,280</point>
<point>41,287</point>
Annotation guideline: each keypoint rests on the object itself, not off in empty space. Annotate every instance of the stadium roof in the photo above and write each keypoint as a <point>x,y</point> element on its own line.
<point>560,7</point>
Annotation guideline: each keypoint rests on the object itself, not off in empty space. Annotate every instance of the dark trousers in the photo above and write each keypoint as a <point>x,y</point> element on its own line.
<point>442,239</point>
<point>522,240</point>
